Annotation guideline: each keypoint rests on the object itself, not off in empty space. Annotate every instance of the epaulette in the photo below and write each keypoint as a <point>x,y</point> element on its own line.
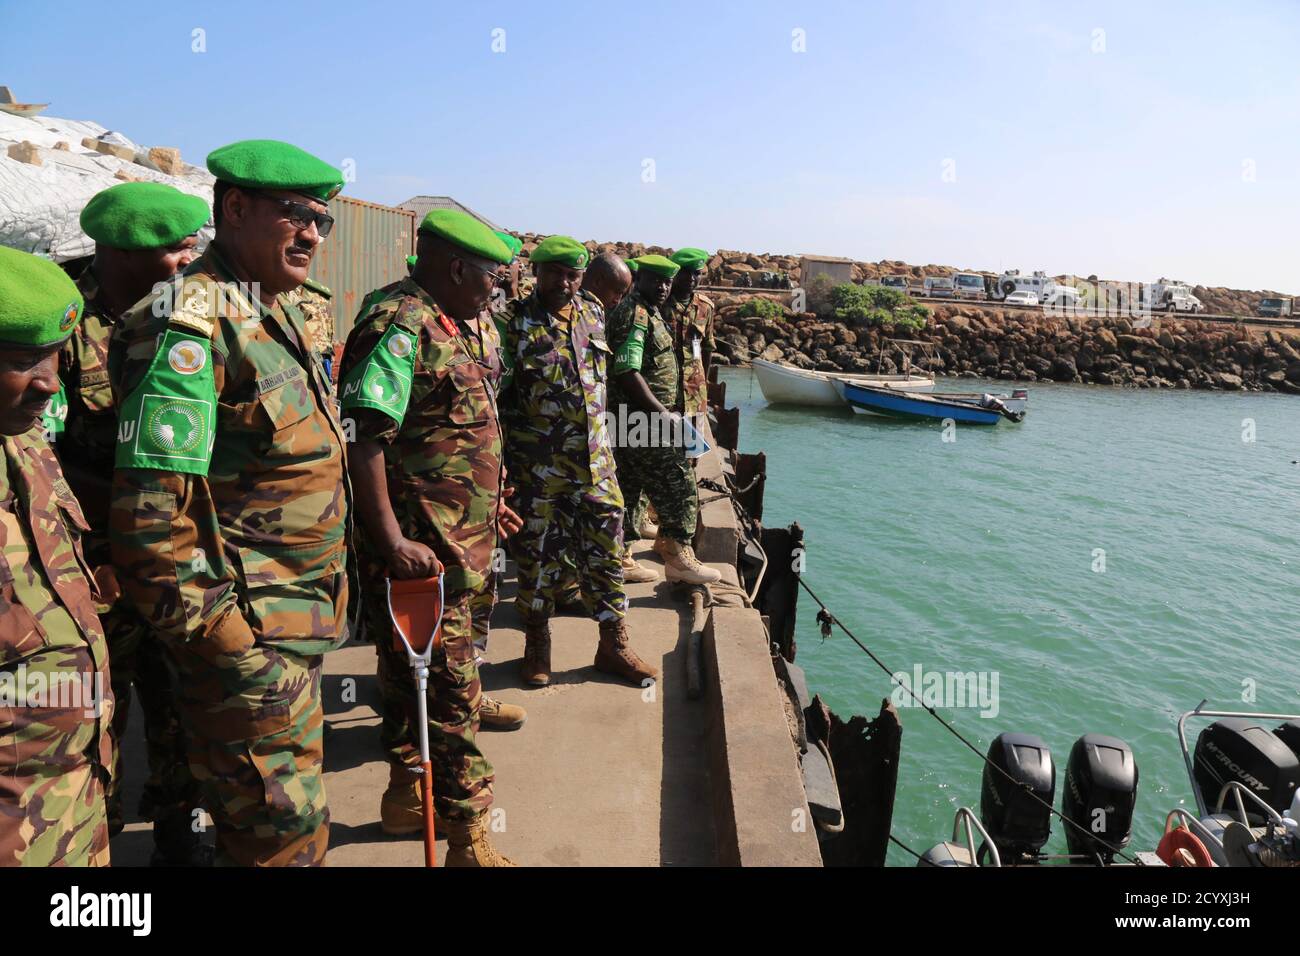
<point>318,287</point>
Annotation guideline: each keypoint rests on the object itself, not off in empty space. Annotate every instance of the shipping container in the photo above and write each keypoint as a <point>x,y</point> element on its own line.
<point>366,249</point>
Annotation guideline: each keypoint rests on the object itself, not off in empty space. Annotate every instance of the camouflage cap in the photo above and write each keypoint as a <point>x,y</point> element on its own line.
<point>464,231</point>
<point>143,216</point>
<point>561,249</point>
<point>659,265</point>
<point>690,258</point>
<point>39,304</point>
<point>271,164</point>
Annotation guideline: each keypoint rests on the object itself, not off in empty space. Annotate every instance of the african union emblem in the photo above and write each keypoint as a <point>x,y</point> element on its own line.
<point>383,387</point>
<point>400,345</point>
<point>187,357</point>
<point>175,427</point>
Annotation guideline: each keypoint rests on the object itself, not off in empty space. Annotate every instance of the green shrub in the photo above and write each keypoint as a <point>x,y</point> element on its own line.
<point>762,308</point>
<point>875,305</point>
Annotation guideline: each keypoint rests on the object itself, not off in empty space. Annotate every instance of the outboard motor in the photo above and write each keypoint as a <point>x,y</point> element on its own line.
<point>1101,782</point>
<point>1018,823</point>
<point>1242,749</point>
<point>1289,734</point>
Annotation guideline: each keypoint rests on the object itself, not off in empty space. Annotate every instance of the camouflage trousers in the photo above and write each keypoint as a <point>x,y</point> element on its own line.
<point>254,722</point>
<point>53,771</point>
<point>567,532</point>
<point>482,605</point>
<point>137,658</point>
<point>665,474</point>
<point>462,776</point>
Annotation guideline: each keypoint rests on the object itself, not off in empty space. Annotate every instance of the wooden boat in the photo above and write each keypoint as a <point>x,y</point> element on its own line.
<point>962,407</point>
<point>787,385</point>
<point>9,105</point>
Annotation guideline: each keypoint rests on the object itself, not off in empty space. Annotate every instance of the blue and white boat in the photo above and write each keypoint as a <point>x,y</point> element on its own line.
<point>967,407</point>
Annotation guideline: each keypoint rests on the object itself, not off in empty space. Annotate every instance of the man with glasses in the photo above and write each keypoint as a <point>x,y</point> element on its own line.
<point>415,384</point>
<point>231,510</point>
<point>562,461</point>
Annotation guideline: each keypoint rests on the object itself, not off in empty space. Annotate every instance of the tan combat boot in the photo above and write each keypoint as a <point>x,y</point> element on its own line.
<point>636,573</point>
<point>648,528</point>
<point>613,656</point>
<point>681,564</point>
<point>536,668</point>
<point>496,714</point>
<point>401,810</point>
<point>468,845</point>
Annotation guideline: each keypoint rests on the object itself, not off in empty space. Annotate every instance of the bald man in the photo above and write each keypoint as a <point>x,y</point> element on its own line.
<point>608,279</point>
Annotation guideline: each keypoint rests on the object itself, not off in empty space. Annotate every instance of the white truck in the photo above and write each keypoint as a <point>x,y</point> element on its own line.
<point>1012,281</point>
<point>939,287</point>
<point>1170,295</point>
<point>1274,308</point>
<point>969,285</point>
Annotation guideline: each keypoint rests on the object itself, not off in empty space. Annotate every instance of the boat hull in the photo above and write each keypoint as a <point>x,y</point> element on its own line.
<point>786,385</point>
<point>889,403</point>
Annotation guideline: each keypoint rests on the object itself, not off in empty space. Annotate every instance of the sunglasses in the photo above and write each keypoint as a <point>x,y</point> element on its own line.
<point>498,278</point>
<point>302,215</point>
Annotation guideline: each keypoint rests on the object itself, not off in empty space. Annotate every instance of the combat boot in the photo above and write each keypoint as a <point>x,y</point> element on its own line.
<point>536,668</point>
<point>468,845</point>
<point>681,564</point>
<point>401,810</point>
<point>648,529</point>
<point>634,572</point>
<point>613,656</point>
<point>176,842</point>
<point>496,714</point>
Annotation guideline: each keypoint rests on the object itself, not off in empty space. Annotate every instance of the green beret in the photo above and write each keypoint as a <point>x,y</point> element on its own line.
<point>463,230</point>
<point>513,244</point>
<point>631,264</point>
<point>143,216</point>
<point>690,259</point>
<point>39,304</point>
<point>561,249</point>
<point>659,265</point>
<point>270,164</point>
<point>410,261</point>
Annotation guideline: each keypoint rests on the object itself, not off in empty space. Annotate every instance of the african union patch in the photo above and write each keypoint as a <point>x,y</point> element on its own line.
<point>383,380</point>
<point>167,422</point>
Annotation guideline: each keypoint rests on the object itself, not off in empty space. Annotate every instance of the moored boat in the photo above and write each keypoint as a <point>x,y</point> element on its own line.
<point>965,407</point>
<point>787,385</point>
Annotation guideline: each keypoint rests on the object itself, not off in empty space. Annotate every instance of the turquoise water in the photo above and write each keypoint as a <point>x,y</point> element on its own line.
<point>981,555</point>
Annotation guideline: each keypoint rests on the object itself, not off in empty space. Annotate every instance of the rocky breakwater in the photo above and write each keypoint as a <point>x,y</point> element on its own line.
<point>987,342</point>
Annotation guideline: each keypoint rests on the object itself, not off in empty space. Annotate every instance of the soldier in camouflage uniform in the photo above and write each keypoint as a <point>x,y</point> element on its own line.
<point>558,448</point>
<point>690,316</point>
<point>415,384</point>
<point>144,233</point>
<point>313,300</point>
<point>231,509</point>
<point>55,752</point>
<point>647,390</point>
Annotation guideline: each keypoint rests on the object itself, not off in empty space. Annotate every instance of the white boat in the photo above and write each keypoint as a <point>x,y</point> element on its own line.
<point>787,385</point>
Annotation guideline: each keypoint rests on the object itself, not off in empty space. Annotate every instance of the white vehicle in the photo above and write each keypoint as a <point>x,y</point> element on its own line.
<point>939,287</point>
<point>1023,297</point>
<point>895,282</point>
<point>1012,281</point>
<point>1275,308</point>
<point>1061,297</point>
<point>1170,295</point>
<point>968,285</point>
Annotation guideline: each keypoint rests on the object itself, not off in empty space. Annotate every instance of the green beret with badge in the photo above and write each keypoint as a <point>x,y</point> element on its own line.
<point>143,215</point>
<point>465,232</point>
<point>690,258</point>
<point>271,164</point>
<point>513,244</point>
<point>39,304</point>
<point>562,249</point>
<point>659,265</point>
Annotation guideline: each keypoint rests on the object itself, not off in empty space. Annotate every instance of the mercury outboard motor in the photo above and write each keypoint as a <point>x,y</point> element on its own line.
<point>1244,750</point>
<point>1018,823</point>
<point>1289,734</point>
<point>1101,782</point>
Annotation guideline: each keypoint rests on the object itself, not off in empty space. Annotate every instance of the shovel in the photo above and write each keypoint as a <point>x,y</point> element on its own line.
<point>415,606</point>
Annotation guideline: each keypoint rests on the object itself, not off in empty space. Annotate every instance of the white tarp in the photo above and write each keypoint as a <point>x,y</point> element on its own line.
<point>40,205</point>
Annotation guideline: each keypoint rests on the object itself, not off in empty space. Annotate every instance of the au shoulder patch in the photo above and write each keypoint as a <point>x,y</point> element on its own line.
<point>383,380</point>
<point>168,422</point>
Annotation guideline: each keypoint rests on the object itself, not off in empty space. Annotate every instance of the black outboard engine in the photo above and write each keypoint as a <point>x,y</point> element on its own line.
<point>1018,823</point>
<point>1289,734</point>
<point>1244,750</point>
<point>1101,782</point>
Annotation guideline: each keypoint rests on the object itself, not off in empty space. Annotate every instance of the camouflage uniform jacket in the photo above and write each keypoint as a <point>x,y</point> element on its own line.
<point>554,396</point>
<point>313,300</point>
<point>643,342</point>
<point>420,384</point>
<point>692,325</point>
<point>230,489</point>
<point>46,598</point>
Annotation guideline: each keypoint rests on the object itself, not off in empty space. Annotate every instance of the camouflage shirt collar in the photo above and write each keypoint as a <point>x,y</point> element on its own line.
<point>408,286</point>
<point>214,264</point>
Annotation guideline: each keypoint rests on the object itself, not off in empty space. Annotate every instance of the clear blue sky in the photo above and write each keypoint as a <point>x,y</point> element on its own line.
<point>1127,162</point>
